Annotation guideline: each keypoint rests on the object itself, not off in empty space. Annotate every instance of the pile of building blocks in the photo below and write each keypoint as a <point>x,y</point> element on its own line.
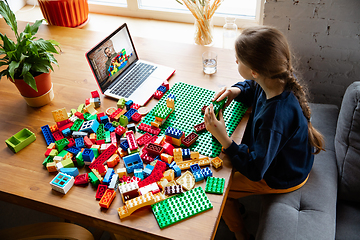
<point>101,148</point>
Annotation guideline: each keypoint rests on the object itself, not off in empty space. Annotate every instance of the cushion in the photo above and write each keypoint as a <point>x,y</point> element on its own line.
<point>347,220</point>
<point>347,145</point>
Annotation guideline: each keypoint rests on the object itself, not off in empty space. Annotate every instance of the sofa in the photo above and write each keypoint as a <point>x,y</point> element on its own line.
<point>328,205</point>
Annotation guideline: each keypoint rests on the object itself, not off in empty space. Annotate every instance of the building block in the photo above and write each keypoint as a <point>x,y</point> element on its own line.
<point>179,207</point>
<point>148,128</point>
<point>153,187</point>
<point>143,139</point>
<point>128,104</point>
<point>195,168</point>
<point>94,180</point>
<point>87,142</point>
<point>53,128</point>
<point>104,119</point>
<point>90,126</point>
<point>147,170</point>
<point>124,145</point>
<point>114,181</point>
<point>216,162</point>
<point>121,172</point>
<point>215,185</point>
<point>107,198</point>
<point>169,175</point>
<point>166,158</point>
<point>100,191</point>
<point>176,169</point>
<point>132,162</point>
<point>81,179</point>
<point>155,175</point>
<point>158,94</point>
<point>57,135</point>
<point>154,149</point>
<point>95,94</point>
<point>51,167</point>
<point>139,173</point>
<point>120,130</point>
<point>129,191</point>
<point>79,115</point>
<point>162,183</point>
<point>113,161</point>
<point>166,85</point>
<point>102,169</point>
<point>136,203</point>
<point>135,106</point>
<point>194,155</point>
<point>185,153</point>
<point>187,180</point>
<point>47,134</point>
<point>103,156</point>
<point>20,140</point>
<point>73,171</point>
<point>123,120</point>
<point>79,134</point>
<point>61,144</point>
<point>206,172</point>
<point>186,164</point>
<point>136,117</point>
<point>79,142</point>
<point>90,109</point>
<point>60,115</point>
<point>77,125</point>
<point>62,182</point>
<point>177,152</point>
<point>172,190</point>
<point>218,105</point>
<point>108,176</point>
<point>131,140</point>
<point>79,160</point>
<point>173,132</point>
<point>168,148</point>
<point>200,127</point>
<point>129,113</point>
<point>121,103</point>
<point>189,139</point>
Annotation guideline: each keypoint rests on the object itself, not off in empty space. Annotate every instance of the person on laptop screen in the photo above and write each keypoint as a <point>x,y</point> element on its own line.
<point>111,57</point>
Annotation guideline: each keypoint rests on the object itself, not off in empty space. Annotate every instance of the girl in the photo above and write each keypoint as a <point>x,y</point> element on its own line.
<point>276,154</point>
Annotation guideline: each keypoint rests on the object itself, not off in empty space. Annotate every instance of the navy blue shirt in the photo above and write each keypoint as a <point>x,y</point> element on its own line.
<point>275,145</point>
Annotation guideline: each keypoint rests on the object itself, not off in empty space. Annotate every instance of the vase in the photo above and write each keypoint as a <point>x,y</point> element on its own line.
<point>204,32</point>
<point>43,96</point>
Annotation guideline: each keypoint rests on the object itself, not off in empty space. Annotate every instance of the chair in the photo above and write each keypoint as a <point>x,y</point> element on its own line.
<point>47,230</point>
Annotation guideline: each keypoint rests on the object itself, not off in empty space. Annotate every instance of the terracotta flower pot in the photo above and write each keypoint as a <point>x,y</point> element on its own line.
<point>43,96</point>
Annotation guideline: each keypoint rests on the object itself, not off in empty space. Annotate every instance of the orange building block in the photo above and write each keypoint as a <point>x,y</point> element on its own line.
<point>113,161</point>
<point>216,162</point>
<point>51,167</point>
<point>169,175</point>
<point>166,158</point>
<point>107,198</point>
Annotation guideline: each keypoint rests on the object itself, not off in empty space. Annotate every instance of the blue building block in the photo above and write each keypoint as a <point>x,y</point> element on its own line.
<point>206,172</point>
<point>173,132</point>
<point>109,127</point>
<point>74,150</point>
<point>49,138</point>
<point>79,142</point>
<point>139,173</point>
<point>104,119</point>
<point>66,132</point>
<point>62,182</point>
<point>176,169</point>
<point>128,104</point>
<point>90,126</point>
<point>162,88</point>
<point>185,153</point>
<point>198,176</point>
<point>172,96</point>
<point>195,168</point>
<point>147,170</point>
<point>88,155</point>
<point>73,171</point>
<point>132,162</point>
<point>108,176</point>
<point>129,113</point>
<point>124,145</point>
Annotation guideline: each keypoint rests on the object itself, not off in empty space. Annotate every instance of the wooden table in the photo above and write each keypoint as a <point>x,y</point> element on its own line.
<point>23,179</point>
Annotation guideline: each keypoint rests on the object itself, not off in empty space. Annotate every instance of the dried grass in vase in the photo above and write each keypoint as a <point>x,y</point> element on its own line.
<point>203,11</point>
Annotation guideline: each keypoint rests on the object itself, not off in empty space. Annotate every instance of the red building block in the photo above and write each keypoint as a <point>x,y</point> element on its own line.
<point>114,114</point>
<point>95,94</point>
<point>71,142</point>
<point>158,94</point>
<point>136,117</point>
<point>189,139</point>
<point>168,148</point>
<point>100,191</point>
<point>154,149</point>
<point>58,135</point>
<point>135,106</point>
<point>200,127</point>
<point>113,138</point>
<point>79,115</point>
<point>131,140</point>
<point>88,143</point>
<point>146,157</point>
<point>101,169</point>
<point>143,139</point>
<point>148,128</point>
<point>81,179</point>
<point>120,130</point>
<point>99,115</point>
<point>166,84</point>
<point>103,156</point>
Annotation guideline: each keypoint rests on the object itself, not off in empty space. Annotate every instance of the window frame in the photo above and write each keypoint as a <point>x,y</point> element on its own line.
<point>132,10</point>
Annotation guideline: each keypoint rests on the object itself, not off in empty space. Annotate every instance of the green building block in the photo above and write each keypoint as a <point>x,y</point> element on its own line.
<point>67,163</point>
<point>77,124</point>
<point>189,101</point>
<point>107,137</point>
<point>20,140</point>
<point>162,111</point>
<point>215,185</point>
<point>180,207</point>
<point>218,105</point>
<point>81,108</point>
<point>61,144</point>
<point>79,160</point>
<point>62,153</point>
<point>53,153</point>
<point>115,124</point>
<point>93,179</point>
<point>86,116</point>
<point>123,120</point>
<point>47,160</point>
<point>92,117</point>
<point>121,103</point>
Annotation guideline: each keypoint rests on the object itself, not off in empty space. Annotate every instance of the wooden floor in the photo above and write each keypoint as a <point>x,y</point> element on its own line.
<point>155,29</point>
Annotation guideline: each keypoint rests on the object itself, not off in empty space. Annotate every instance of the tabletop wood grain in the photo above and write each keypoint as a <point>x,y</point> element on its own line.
<point>23,179</point>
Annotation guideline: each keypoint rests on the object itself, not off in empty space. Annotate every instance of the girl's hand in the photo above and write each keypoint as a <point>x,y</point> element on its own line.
<point>216,127</point>
<point>224,92</point>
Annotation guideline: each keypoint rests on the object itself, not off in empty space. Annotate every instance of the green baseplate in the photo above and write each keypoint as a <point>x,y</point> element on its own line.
<point>189,100</point>
<point>181,206</point>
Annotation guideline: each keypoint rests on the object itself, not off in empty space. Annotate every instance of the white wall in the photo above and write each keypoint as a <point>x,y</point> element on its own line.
<point>16,5</point>
<point>325,35</point>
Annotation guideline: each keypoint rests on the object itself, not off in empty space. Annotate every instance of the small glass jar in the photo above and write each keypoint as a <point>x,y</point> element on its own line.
<point>229,33</point>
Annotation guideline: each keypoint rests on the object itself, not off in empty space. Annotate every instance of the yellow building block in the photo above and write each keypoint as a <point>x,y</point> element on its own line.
<point>97,174</point>
<point>60,115</point>
<point>162,183</point>
<point>177,155</point>
<point>216,162</point>
<point>51,167</point>
<point>51,146</point>
<point>166,158</point>
<point>176,141</point>
<point>90,108</point>
<point>121,172</point>
<point>203,161</point>
<point>136,203</point>
<point>194,155</point>
<point>170,103</point>
<point>169,175</point>
<point>187,180</point>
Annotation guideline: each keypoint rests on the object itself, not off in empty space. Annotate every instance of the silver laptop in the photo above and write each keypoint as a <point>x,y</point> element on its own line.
<point>120,73</point>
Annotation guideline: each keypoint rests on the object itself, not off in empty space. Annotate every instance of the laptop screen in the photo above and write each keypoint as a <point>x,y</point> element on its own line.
<point>112,56</point>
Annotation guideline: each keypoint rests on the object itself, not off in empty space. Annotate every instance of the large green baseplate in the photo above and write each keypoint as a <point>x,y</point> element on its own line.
<point>188,103</point>
<point>181,206</point>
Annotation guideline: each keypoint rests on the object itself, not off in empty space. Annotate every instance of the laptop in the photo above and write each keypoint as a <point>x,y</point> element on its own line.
<point>120,73</point>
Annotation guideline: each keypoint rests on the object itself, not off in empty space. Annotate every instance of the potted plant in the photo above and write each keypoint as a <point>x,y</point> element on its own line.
<point>28,61</point>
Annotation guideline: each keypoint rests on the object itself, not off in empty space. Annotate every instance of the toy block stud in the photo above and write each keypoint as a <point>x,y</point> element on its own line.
<point>216,162</point>
<point>215,185</point>
<point>107,198</point>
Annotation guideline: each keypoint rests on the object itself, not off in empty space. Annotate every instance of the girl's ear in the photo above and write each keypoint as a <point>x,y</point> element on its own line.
<point>254,74</point>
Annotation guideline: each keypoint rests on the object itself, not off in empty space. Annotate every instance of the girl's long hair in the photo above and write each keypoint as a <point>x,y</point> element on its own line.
<point>266,51</point>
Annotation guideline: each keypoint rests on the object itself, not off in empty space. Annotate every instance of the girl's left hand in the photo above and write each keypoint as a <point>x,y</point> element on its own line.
<point>216,127</point>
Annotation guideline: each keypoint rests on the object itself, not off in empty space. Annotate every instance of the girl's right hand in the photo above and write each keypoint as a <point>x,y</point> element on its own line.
<point>224,92</point>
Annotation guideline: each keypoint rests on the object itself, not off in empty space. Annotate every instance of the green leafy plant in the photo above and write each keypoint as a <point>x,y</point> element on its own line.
<point>28,57</point>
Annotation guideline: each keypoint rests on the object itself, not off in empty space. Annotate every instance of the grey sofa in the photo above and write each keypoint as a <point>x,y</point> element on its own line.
<point>328,205</point>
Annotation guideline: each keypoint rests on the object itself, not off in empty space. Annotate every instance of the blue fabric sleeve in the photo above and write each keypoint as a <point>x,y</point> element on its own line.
<point>247,93</point>
<point>255,162</point>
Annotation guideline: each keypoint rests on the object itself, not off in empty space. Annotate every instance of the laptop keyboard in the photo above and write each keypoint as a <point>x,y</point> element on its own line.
<point>133,80</point>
